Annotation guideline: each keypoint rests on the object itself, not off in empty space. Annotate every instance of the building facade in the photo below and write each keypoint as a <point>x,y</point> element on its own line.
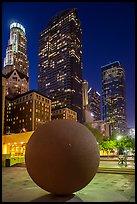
<point>63,113</point>
<point>60,62</point>
<point>3,100</point>
<point>14,148</point>
<point>102,126</point>
<point>86,112</point>
<point>16,83</point>
<point>85,94</point>
<point>26,111</point>
<point>113,97</point>
<point>94,103</point>
<point>16,64</point>
<point>131,132</point>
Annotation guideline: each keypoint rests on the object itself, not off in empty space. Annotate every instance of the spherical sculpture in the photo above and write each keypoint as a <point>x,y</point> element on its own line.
<point>62,156</point>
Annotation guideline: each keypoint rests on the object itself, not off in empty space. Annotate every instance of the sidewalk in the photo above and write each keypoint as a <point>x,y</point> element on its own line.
<point>17,186</point>
<point>114,164</point>
<point>110,158</point>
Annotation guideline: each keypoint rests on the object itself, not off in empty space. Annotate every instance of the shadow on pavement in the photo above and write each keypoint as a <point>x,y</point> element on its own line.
<point>19,165</point>
<point>57,198</point>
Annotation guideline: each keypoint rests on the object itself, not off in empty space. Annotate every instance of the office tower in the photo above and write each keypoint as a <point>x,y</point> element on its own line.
<point>131,132</point>
<point>26,112</point>
<point>60,62</point>
<point>102,126</point>
<point>63,113</point>
<point>113,96</point>
<point>3,100</point>
<point>16,65</point>
<point>94,103</point>
<point>88,116</point>
<point>85,94</point>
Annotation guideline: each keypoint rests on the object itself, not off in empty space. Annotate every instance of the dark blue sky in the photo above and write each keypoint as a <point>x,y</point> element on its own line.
<point>108,33</point>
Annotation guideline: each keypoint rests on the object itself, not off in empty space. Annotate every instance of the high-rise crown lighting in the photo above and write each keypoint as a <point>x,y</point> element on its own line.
<point>17,25</point>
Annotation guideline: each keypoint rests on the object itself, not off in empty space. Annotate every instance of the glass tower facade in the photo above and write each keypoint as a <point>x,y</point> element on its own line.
<point>85,94</point>
<point>60,61</point>
<point>94,103</point>
<point>113,97</point>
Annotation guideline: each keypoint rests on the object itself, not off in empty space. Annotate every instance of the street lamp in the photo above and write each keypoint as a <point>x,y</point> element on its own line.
<point>118,137</point>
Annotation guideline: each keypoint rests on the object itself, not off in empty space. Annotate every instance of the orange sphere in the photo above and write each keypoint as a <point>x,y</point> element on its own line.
<point>62,156</point>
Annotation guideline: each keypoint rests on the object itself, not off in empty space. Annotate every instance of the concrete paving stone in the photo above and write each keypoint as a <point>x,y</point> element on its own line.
<point>102,195</point>
<point>17,186</point>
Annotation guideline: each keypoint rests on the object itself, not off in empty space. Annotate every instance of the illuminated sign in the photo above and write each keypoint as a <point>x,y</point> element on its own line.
<point>17,25</point>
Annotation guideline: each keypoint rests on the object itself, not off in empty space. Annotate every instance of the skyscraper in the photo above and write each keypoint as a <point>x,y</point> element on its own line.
<point>60,61</point>
<point>16,65</point>
<point>113,96</point>
<point>3,100</point>
<point>94,103</point>
<point>85,94</point>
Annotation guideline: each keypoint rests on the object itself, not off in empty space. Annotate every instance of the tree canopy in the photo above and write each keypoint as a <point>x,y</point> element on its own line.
<point>105,143</point>
<point>126,142</point>
<point>97,134</point>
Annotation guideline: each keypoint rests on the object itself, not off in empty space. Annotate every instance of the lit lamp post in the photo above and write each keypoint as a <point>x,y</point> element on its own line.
<point>118,137</point>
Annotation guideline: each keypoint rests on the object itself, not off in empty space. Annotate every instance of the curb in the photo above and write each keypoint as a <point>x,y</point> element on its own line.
<point>116,171</point>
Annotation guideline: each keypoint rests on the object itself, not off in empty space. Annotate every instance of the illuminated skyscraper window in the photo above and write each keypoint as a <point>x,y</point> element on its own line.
<point>85,94</point>
<point>113,96</point>
<point>60,61</point>
<point>94,103</point>
<point>16,65</point>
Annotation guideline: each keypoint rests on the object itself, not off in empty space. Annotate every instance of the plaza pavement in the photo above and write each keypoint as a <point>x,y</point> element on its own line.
<point>17,186</point>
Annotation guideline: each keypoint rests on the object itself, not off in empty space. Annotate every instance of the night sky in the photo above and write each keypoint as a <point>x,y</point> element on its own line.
<point>108,34</point>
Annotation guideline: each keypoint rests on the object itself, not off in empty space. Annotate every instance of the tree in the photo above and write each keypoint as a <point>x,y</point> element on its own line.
<point>108,145</point>
<point>97,134</point>
<point>126,142</point>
